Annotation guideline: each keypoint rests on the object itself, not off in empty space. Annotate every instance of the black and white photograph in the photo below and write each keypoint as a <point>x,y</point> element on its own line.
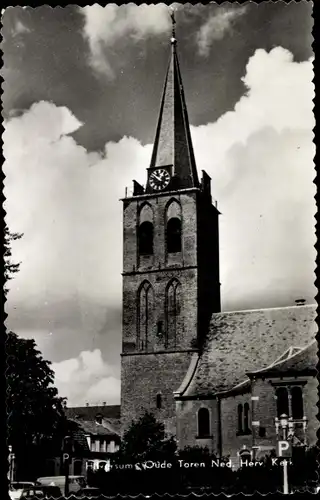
<point>160,249</point>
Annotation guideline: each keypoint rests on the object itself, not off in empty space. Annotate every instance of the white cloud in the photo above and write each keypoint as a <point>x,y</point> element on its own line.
<point>19,29</point>
<point>105,26</point>
<point>216,27</point>
<point>87,378</point>
<point>66,202</point>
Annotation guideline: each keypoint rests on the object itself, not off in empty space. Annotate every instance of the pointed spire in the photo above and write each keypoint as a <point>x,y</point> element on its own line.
<point>173,145</point>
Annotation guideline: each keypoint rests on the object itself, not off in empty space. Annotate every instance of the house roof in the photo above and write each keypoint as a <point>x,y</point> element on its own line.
<point>244,341</point>
<point>90,412</point>
<point>295,360</point>
<point>85,418</point>
<point>103,429</point>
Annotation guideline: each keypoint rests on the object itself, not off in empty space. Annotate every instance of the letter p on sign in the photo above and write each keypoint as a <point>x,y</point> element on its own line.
<point>284,449</point>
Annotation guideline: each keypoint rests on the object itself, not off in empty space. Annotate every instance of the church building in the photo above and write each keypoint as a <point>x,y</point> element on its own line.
<point>215,379</point>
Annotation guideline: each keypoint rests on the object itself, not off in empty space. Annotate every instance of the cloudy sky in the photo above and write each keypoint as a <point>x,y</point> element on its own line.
<point>81,97</point>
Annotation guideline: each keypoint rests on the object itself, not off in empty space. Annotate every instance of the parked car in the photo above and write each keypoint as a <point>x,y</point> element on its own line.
<point>40,492</point>
<point>16,488</point>
<point>75,482</point>
<point>89,492</point>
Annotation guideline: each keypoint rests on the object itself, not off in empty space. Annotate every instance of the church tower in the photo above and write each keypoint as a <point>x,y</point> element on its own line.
<point>170,264</point>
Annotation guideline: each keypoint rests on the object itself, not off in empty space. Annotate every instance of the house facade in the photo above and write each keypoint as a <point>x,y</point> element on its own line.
<point>94,437</point>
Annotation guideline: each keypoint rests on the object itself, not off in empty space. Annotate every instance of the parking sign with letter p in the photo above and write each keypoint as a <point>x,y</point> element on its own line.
<point>284,449</point>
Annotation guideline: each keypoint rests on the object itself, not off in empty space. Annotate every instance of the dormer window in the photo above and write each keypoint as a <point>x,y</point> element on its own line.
<point>99,419</point>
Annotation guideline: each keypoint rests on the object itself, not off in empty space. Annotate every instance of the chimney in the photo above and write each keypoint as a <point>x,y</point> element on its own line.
<point>300,302</point>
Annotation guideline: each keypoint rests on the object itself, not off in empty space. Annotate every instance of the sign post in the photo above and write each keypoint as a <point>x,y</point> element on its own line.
<point>284,450</point>
<point>66,473</point>
<point>67,447</point>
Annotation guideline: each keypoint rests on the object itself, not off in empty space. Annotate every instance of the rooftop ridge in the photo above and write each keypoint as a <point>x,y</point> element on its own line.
<point>304,306</point>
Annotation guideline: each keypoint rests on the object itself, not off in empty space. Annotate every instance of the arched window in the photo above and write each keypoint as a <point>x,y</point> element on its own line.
<point>246,409</point>
<point>282,401</point>
<point>173,218</point>
<point>174,235</point>
<point>159,401</point>
<point>145,238</point>
<point>297,403</point>
<point>240,413</point>
<point>203,423</point>
<point>173,307</point>
<point>145,314</point>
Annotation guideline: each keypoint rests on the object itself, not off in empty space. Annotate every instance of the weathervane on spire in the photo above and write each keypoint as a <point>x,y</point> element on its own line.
<point>173,37</point>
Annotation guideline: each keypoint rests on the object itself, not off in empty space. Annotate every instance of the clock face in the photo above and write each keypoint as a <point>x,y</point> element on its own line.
<point>159,179</point>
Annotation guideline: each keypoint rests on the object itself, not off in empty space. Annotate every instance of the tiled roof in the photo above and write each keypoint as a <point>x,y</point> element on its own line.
<point>300,361</point>
<point>90,412</point>
<point>243,341</point>
<point>104,429</point>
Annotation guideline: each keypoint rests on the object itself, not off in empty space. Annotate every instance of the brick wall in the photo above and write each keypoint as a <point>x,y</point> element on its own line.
<point>265,410</point>
<point>142,377</point>
<point>187,425</point>
<point>232,442</point>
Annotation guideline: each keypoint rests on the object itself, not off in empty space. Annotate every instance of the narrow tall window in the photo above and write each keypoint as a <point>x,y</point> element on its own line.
<point>173,218</point>
<point>173,306</point>
<point>145,238</point>
<point>145,314</point>
<point>174,235</point>
<point>282,401</point>
<point>203,423</point>
<point>297,403</point>
<point>159,401</point>
<point>246,409</point>
<point>240,413</point>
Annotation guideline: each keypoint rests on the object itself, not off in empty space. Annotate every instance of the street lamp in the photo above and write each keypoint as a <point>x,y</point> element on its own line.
<point>11,463</point>
<point>286,425</point>
<point>67,448</point>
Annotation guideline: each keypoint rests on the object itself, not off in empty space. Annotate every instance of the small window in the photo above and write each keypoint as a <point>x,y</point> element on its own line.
<point>203,423</point>
<point>262,432</point>
<point>174,235</point>
<point>145,237</point>
<point>246,409</point>
<point>99,419</point>
<point>160,328</point>
<point>240,412</point>
<point>159,401</point>
<point>297,403</point>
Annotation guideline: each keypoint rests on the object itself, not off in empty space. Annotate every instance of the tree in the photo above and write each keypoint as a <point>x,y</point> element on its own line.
<point>10,268</point>
<point>34,410</point>
<point>146,440</point>
<point>143,444</point>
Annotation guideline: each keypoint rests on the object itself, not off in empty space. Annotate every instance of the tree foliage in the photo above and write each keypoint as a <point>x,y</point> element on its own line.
<point>10,267</point>
<point>145,440</point>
